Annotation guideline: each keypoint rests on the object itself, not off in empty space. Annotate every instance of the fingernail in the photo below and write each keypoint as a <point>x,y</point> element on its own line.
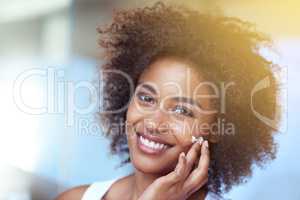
<point>200,141</point>
<point>182,155</point>
<point>206,143</point>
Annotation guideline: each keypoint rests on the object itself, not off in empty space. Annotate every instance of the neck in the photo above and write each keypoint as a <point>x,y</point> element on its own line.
<point>142,180</point>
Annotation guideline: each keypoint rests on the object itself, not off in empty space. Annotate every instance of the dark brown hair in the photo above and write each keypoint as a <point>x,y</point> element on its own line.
<point>225,49</point>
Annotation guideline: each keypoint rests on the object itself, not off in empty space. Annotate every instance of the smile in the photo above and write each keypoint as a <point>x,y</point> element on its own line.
<point>150,146</point>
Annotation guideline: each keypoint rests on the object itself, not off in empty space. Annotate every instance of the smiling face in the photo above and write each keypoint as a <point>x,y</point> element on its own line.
<point>164,113</point>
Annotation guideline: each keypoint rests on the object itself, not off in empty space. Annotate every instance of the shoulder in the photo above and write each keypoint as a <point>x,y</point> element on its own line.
<point>75,193</point>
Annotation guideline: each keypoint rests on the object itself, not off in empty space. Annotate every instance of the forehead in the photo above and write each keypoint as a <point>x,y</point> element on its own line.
<point>174,76</point>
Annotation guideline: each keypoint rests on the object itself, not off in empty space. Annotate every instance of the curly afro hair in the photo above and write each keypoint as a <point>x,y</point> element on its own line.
<point>224,49</point>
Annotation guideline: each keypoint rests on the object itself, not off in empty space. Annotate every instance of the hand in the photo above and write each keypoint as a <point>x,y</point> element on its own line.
<point>184,180</point>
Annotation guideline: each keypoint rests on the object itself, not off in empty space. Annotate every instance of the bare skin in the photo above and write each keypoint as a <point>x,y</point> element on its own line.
<point>173,168</point>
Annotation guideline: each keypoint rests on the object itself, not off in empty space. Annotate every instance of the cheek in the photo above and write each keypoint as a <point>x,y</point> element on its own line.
<point>183,132</point>
<point>133,117</point>
<point>132,114</point>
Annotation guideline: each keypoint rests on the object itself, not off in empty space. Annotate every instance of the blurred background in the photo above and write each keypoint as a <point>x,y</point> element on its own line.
<point>48,50</point>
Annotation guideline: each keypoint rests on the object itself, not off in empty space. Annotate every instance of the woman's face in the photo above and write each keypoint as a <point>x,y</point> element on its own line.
<point>164,113</point>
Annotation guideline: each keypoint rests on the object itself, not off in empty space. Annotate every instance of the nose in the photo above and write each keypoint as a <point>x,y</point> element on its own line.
<point>157,122</point>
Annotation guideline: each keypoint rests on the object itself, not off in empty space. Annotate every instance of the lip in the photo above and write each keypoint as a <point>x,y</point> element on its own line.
<point>147,150</point>
<point>154,138</point>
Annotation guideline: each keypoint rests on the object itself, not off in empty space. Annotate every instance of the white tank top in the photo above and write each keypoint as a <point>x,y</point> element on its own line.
<point>97,190</point>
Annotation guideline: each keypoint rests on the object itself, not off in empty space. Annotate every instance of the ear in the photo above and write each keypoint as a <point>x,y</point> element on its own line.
<point>207,135</point>
<point>213,138</point>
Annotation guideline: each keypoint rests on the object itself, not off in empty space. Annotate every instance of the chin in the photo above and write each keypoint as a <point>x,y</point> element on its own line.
<point>151,166</point>
<point>152,158</point>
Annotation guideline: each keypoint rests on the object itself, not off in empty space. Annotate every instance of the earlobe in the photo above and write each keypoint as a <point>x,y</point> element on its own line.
<point>210,137</point>
<point>213,138</point>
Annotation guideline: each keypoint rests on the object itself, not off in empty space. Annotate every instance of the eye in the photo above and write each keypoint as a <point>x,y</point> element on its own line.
<point>183,110</point>
<point>145,98</point>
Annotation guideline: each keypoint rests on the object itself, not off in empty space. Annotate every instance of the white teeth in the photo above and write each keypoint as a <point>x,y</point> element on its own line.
<point>152,144</point>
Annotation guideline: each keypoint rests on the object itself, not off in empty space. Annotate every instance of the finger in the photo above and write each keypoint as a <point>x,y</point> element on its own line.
<point>180,168</point>
<point>176,175</point>
<point>199,176</point>
<point>192,156</point>
<point>204,158</point>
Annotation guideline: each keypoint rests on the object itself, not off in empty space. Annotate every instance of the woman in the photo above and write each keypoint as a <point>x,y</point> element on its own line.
<point>181,88</point>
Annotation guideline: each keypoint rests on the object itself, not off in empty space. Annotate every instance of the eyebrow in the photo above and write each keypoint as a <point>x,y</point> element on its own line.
<point>187,100</point>
<point>175,98</point>
<point>148,87</point>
